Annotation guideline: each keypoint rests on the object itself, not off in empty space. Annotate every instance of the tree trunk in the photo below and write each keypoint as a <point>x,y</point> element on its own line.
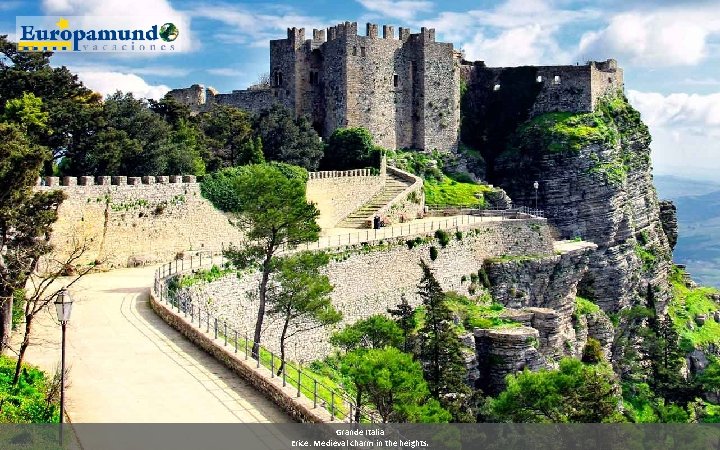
<point>358,400</point>
<point>23,347</point>
<point>262,296</point>
<point>6,306</point>
<point>282,345</point>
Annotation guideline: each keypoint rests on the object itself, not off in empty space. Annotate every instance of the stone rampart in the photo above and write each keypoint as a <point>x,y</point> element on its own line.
<point>368,279</point>
<point>337,194</point>
<point>131,221</point>
<point>407,205</point>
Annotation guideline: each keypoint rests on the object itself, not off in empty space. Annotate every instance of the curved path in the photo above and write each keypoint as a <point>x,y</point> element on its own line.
<point>128,366</point>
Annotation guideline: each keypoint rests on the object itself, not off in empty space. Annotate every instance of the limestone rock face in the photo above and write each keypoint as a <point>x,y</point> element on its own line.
<point>599,327</point>
<point>668,218</point>
<point>545,289</point>
<point>503,351</point>
<point>600,190</point>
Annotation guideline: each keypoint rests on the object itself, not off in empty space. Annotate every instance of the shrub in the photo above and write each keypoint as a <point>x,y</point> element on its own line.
<point>443,237</point>
<point>433,253</point>
<point>458,235</point>
<point>592,353</point>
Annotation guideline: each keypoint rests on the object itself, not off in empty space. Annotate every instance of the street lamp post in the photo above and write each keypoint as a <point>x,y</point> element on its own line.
<point>63,307</point>
<point>536,185</point>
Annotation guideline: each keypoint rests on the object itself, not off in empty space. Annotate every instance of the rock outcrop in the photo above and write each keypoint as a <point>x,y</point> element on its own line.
<point>668,218</point>
<point>504,351</point>
<point>595,182</point>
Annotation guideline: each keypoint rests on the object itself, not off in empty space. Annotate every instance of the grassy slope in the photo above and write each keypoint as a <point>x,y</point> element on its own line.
<point>686,306</point>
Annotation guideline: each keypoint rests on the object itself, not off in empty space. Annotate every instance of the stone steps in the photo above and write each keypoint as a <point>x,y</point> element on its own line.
<point>393,187</point>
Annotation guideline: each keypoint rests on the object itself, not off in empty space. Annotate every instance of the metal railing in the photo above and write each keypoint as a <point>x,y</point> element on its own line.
<point>465,217</point>
<point>336,402</point>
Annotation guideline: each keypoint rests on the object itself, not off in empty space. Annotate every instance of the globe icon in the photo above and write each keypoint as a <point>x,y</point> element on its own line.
<point>169,32</point>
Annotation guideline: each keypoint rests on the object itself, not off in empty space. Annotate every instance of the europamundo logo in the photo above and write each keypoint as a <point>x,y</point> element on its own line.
<point>99,34</point>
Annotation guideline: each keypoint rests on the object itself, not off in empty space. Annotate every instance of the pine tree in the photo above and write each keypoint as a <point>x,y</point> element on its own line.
<point>440,351</point>
<point>404,315</point>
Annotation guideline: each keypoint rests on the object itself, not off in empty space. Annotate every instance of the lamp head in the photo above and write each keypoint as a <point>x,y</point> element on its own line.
<point>63,305</point>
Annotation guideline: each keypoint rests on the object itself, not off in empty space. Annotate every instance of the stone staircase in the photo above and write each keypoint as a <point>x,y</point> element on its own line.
<point>393,186</point>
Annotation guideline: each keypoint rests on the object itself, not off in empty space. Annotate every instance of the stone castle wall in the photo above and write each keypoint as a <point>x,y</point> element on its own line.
<point>559,88</point>
<point>369,280</point>
<point>136,224</point>
<point>404,89</point>
<point>338,196</point>
<point>128,221</point>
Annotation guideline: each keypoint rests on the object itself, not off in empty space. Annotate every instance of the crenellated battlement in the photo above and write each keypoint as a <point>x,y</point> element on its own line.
<point>51,182</point>
<point>340,174</point>
<point>403,87</point>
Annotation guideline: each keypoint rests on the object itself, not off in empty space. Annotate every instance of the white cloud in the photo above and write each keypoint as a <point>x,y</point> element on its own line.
<point>684,110</point>
<point>664,37</point>
<point>255,28</point>
<point>516,32</point>
<point>403,9</point>
<point>226,72</point>
<point>685,130</point>
<point>526,45</point>
<point>108,82</point>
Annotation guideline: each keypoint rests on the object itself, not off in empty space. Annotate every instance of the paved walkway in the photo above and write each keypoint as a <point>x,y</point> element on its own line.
<point>128,366</point>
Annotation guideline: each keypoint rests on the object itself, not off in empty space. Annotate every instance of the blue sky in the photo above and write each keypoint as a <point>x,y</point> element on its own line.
<point>670,50</point>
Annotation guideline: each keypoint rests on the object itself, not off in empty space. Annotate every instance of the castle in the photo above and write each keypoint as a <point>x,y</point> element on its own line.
<point>406,89</point>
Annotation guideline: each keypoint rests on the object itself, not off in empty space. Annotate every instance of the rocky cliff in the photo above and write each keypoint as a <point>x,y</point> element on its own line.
<point>595,182</point>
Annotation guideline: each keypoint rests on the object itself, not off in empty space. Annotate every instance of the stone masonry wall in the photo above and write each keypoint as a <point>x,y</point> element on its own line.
<point>137,224</point>
<point>337,197</point>
<point>369,280</point>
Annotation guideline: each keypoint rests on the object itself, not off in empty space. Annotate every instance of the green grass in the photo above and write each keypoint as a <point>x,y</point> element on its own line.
<point>584,306</point>
<point>563,131</point>
<point>454,193</point>
<point>204,276</point>
<point>686,305</point>
<point>509,258</point>
<point>29,400</point>
<point>478,314</point>
<point>326,383</point>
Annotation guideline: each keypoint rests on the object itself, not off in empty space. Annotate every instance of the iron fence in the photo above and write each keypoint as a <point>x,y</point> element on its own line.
<point>335,401</point>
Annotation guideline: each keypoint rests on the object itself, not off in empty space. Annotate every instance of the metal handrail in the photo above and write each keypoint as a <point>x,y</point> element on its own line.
<point>204,320</point>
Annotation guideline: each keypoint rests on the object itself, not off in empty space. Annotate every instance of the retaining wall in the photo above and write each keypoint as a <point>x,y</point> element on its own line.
<point>368,279</point>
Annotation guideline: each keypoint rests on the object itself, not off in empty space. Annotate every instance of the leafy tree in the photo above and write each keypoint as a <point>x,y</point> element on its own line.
<point>25,217</point>
<point>709,379</point>
<point>441,352</point>
<point>289,140</point>
<point>183,150</point>
<point>71,107</point>
<point>404,315</point>
<point>301,296</point>
<point>593,352</point>
<point>393,383</point>
<point>268,201</point>
<point>376,331</point>
<point>129,139</point>
<point>228,137</point>
<point>172,111</point>
<point>350,148</point>
<point>574,393</point>
<point>26,111</point>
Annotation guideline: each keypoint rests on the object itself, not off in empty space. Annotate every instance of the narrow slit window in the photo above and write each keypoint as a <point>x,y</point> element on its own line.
<point>354,51</point>
<point>539,79</point>
<point>556,80</point>
<point>362,51</point>
<point>395,80</point>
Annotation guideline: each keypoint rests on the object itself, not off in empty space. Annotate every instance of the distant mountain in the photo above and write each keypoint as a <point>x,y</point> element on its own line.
<point>671,187</point>
<point>698,204</point>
